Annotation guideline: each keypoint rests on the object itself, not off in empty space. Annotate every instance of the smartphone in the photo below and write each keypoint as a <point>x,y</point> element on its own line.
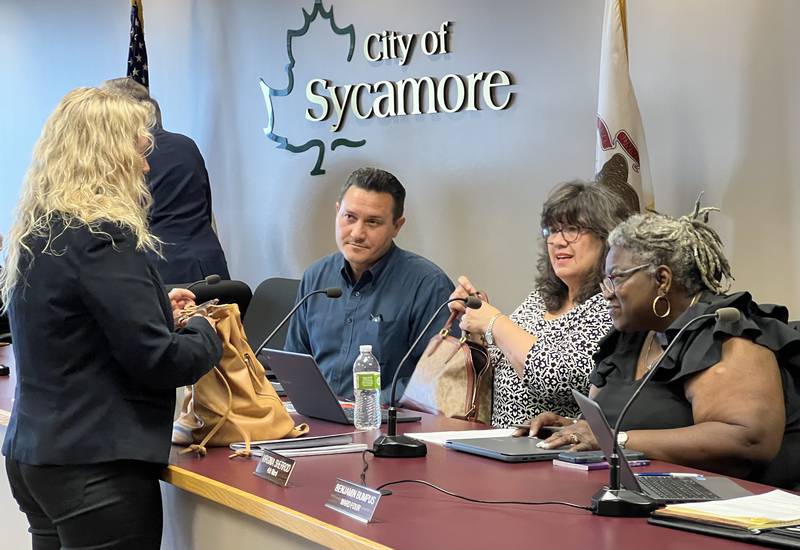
<point>587,457</point>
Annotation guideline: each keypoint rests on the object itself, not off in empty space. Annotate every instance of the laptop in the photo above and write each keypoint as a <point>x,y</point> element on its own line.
<point>661,489</point>
<point>507,449</point>
<point>308,390</point>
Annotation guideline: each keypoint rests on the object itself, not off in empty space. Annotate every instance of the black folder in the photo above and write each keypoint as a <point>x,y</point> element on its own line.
<point>779,537</point>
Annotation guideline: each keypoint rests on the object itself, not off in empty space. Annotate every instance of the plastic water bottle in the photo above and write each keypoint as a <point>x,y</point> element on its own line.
<point>367,390</point>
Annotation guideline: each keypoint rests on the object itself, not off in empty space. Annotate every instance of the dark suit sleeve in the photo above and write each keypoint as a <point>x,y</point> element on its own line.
<point>121,293</point>
<point>297,335</point>
<point>205,182</point>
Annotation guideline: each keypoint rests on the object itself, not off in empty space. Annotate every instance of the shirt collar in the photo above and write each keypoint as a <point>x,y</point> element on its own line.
<point>370,274</point>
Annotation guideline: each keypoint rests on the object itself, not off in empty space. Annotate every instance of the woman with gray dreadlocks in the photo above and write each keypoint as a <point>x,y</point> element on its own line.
<point>726,397</point>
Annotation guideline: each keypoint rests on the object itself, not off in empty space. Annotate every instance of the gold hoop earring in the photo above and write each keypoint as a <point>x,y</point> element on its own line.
<point>669,307</point>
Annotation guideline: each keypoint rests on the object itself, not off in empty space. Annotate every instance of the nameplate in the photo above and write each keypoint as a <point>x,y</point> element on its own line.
<point>353,500</point>
<point>275,468</point>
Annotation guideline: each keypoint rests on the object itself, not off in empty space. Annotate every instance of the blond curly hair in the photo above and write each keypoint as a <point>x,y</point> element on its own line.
<point>87,168</point>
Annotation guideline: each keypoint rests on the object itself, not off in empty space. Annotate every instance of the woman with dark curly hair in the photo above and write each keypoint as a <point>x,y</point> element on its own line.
<point>544,348</point>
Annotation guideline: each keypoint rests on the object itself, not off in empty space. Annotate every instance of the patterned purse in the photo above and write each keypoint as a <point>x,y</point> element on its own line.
<point>453,378</point>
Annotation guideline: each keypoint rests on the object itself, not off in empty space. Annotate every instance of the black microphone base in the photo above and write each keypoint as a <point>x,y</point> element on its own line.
<point>398,446</point>
<point>621,503</point>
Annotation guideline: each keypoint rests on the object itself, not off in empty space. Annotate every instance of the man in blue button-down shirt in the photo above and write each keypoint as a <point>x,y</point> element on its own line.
<point>389,294</point>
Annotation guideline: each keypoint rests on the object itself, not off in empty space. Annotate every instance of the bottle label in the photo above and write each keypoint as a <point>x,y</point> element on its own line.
<point>368,381</point>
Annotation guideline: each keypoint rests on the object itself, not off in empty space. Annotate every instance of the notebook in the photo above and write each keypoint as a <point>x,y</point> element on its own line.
<point>308,390</point>
<point>661,489</point>
<point>781,537</point>
<point>507,449</point>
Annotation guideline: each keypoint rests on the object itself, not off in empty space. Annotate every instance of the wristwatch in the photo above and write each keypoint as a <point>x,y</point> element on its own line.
<point>622,439</point>
<point>488,336</point>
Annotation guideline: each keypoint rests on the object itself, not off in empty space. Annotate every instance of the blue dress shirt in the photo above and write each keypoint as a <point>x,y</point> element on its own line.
<point>387,308</point>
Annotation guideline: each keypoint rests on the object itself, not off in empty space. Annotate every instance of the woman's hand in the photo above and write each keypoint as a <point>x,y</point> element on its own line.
<point>576,434</point>
<point>541,420</point>
<point>179,298</point>
<point>476,321</point>
<point>463,289</point>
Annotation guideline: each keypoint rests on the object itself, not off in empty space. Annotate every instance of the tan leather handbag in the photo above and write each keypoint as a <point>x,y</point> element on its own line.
<point>234,401</point>
<point>453,378</point>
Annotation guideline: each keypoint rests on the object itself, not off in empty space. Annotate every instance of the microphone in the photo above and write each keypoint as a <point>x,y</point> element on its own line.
<point>614,500</point>
<point>209,280</point>
<point>329,292</point>
<point>392,445</point>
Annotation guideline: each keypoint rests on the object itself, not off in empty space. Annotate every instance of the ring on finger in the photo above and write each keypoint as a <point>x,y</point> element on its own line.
<point>573,438</point>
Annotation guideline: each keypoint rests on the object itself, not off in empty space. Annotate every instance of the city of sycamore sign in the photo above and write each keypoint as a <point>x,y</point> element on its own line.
<point>408,96</point>
<point>385,98</point>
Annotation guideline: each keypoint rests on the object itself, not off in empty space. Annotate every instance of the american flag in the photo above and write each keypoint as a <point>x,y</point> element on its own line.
<point>137,52</point>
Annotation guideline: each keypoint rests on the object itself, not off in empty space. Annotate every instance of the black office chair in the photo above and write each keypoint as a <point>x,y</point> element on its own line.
<point>227,292</point>
<point>5,329</point>
<point>271,301</point>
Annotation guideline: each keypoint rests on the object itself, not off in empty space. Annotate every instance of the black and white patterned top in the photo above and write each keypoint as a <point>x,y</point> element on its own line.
<point>560,360</point>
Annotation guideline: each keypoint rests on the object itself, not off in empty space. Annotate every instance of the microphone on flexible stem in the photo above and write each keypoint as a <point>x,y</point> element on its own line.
<point>209,280</point>
<point>392,445</point>
<point>614,500</point>
<point>329,292</point>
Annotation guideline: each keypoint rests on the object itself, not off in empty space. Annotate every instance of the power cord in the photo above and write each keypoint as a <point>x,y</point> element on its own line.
<point>386,492</point>
<point>366,466</point>
<point>449,493</point>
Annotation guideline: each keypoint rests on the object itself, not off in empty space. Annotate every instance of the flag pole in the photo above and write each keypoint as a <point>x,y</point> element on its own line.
<point>624,17</point>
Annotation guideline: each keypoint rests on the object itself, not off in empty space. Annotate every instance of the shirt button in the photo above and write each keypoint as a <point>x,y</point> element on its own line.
<point>349,320</point>
<point>356,293</point>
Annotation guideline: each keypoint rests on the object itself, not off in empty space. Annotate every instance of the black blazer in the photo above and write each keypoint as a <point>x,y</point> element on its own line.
<point>97,359</point>
<point>181,211</point>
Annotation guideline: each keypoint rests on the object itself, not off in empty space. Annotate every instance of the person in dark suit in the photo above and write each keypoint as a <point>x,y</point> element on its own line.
<point>97,351</point>
<point>181,212</point>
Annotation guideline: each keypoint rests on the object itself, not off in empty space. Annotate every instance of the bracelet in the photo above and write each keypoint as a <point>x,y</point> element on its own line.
<point>488,335</point>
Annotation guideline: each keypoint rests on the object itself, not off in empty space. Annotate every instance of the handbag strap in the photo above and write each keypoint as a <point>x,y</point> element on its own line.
<point>444,333</point>
<point>200,448</point>
<point>206,309</point>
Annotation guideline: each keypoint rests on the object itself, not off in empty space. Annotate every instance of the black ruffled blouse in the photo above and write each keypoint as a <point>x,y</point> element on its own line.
<point>663,404</point>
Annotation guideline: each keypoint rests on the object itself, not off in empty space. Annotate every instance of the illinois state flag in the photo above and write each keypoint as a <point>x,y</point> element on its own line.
<point>621,156</point>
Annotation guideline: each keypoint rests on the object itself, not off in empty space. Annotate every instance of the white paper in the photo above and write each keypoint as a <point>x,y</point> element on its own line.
<point>439,438</point>
<point>776,506</point>
<point>315,451</point>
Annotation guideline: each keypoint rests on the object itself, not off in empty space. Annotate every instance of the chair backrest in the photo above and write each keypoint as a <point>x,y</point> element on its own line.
<point>5,329</point>
<point>227,291</point>
<point>271,301</point>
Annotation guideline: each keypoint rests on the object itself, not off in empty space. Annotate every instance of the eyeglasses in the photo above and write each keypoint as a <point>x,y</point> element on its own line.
<point>569,233</point>
<point>608,286</point>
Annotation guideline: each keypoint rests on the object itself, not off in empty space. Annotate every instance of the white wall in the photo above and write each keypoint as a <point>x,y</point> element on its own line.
<point>717,80</point>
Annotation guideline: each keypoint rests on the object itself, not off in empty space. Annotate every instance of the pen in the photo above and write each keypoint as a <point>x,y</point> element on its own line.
<point>671,474</point>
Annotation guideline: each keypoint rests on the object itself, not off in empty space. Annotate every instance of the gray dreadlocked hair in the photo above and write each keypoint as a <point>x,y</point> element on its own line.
<point>687,245</point>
